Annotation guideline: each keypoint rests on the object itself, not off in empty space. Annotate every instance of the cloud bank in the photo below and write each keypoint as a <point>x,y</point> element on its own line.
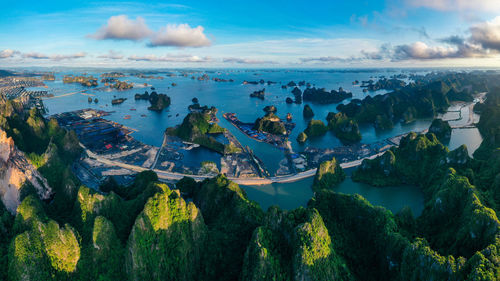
<point>170,58</point>
<point>56,57</point>
<point>457,5</point>
<point>246,61</point>
<point>172,35</point>
<point>487,34</point>
<point>8,53</point>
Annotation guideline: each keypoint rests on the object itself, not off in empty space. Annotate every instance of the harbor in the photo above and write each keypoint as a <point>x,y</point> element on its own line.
<point>247,129</point>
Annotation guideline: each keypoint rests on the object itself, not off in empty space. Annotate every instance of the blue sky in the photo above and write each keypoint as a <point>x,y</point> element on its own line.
<point>251,34</point>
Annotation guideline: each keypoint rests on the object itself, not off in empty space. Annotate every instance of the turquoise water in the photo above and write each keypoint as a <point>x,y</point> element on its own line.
<point>292,195</point>
<point>234,97</point>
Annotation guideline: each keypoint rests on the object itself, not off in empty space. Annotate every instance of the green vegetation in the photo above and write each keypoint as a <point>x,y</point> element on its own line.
<point>441,129</point>
<point>417,159</point>
<point>158,101</point>
<point>302,137</point>
<point>270,123</point>
<point>426,97</point>
<point>322,96</point>
<point>293,245</point>
<point>344,128</point>
<point>210,230</point>
<point>231,219</point>
<point>88,81</point>
<point>121,85</point>
<point>167,240</point>
<point>315,128</point>
<point>42,249</point>
<point>196,128</point>
<point>307,112</point>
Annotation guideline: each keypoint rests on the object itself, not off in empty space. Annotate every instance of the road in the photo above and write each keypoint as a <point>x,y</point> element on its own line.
<point>171,176</point>
<point>159,150</point>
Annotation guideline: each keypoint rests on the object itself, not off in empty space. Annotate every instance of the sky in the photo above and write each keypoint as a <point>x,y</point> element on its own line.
<point>251,34</point>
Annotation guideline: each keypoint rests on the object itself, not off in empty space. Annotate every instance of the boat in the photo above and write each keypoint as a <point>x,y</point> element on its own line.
<point>118,101</point>
<point>133,109</point>
<point>127,117</point>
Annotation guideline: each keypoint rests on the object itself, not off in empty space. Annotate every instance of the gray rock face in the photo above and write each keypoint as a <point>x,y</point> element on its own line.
<point>15,170</point>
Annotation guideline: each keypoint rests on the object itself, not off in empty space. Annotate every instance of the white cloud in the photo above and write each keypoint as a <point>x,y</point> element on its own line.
<point>181,35</point>
<point>56,57</point>
<point>420,50</point>
<point>329,59</point>
<point>8,53</point>
<point>457,5</point>
<point>170,58</point>
<point>487,34</point>
<point>122,28</point>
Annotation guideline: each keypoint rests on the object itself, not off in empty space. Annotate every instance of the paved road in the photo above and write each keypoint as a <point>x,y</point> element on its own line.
<point>171,176</point>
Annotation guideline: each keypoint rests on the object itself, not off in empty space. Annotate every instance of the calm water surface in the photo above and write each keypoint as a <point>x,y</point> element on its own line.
<point>234,97</point>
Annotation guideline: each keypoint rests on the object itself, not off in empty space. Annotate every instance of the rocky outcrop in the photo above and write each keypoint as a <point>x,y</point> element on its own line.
<point>158,101</point>
<point>167,240</point>
<point>380,171</point>
<point>302,137</point>
<point>315,128</point>
<point>298,95</point>
<point>346,129</point>
<point>441,129</point>
<point>258,94</point>
<point>415,161</point>
<point>324,97</point>
<point>16,171</point>
<point>270,124</point>
<point>328,175</point>
<point>458,157</point>
<point>293,245</point>
<point>307,112</point>
<point>231,219</point>
<point>45,249</point>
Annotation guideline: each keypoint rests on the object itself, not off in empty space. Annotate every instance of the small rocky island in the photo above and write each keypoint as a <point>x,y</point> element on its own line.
<point>345,129</point>
<point>259,94</point>
<point>200,128</point>
<point>270,123</point>
<point>315,128</point>
<point>158,101</point>
<point>324,97</point>
<point>118,101</point>
<point>121,85</point>
<point>307,112</point>
<point>384,84</point>
<point>87,81</point>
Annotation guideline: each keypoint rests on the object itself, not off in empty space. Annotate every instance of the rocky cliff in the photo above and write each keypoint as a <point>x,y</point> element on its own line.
<point>16,171</point>
<point>167,240</point>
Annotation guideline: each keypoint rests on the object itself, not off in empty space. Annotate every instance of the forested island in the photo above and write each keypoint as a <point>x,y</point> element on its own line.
<point>424,98</point>
<point>158,101</point>
<point>88,81</point>
<point>52,227</point>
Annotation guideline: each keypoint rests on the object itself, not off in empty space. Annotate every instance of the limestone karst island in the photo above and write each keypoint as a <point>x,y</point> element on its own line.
<point>250,141</point>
